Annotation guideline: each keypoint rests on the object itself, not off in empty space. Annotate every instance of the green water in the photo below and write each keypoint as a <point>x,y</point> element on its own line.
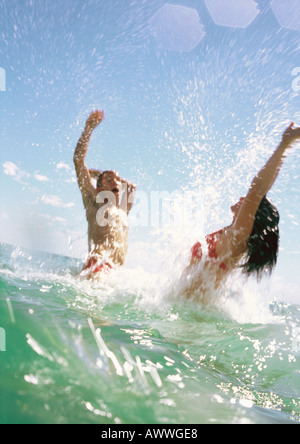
<point>121,352</point>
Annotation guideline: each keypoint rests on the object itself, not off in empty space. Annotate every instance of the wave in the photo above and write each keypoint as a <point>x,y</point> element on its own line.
<point>130,350</point>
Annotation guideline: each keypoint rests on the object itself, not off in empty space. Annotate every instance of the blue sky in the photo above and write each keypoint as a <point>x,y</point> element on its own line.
<point>199,108</point>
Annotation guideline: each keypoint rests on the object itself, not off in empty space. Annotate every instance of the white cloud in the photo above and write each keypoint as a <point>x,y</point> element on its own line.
<point>55,201</point>
<point>41,178</point>
<point>12,170</point>
<point>63,166</point>
<point>52,219</point>
<point>71,180</point>
<point>67,171</point>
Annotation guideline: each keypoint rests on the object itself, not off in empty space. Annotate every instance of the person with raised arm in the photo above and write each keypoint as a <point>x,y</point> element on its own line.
<point>107,217</point>
<point>251,242</point>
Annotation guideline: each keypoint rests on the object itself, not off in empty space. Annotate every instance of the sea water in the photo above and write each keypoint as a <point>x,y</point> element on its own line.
<point>129,350</point>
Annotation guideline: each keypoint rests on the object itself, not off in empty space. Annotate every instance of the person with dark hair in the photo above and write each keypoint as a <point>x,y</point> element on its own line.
<point>251,242</point>
<point>107,217</point>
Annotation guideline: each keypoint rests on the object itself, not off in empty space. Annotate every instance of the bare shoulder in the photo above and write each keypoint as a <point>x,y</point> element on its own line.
<point>232,243</point>
<point>89,196</point>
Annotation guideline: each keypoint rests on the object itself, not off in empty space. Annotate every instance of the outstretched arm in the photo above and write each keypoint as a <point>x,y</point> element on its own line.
<point>265,179</point>
<point>261,185</point>
<point>83,174</point>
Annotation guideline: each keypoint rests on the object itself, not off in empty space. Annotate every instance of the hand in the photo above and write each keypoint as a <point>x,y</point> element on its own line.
<point>291,134</point>
<point>95,119</point>
<point>131,187</point>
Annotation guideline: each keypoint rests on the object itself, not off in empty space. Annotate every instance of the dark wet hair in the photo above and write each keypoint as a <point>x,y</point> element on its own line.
<point>99,181</point>
<point>263,244</point>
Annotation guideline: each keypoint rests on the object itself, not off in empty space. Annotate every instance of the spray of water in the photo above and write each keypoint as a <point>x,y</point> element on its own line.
<point>212,119</point>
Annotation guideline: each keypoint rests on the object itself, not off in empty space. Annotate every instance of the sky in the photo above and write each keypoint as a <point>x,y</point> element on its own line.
<point>196,96</point>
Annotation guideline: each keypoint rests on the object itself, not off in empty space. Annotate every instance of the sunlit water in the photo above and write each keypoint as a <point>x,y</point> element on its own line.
<point>128,350</point>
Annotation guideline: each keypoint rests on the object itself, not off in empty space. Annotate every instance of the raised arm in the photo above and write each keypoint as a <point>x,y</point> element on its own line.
<point>265,179</point>
<point>83,174</point>
<point>242,227</point>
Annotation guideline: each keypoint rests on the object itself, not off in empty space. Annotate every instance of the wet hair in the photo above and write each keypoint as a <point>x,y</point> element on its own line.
<point>99,180</point>
<point>263,244</point>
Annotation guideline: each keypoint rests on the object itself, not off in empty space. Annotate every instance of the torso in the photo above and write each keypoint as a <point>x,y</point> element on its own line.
<point>212,255</point>
<point>109,240</point>
<point>206,269</point>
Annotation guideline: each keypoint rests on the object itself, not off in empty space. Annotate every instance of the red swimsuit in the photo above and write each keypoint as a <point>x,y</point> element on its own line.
<point>94,265</point>
<point>211,240</point>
